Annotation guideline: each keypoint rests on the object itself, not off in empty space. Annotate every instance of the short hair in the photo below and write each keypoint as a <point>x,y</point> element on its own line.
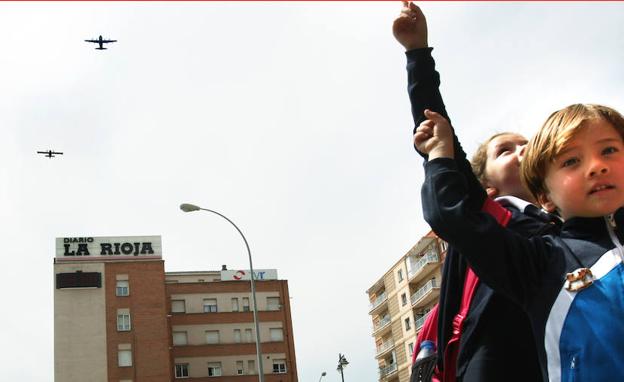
<point>554,135</point>
<point>479,159</point>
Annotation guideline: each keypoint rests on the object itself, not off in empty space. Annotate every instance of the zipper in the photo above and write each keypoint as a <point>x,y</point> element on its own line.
<point>573,369</point>
<point>611,225</point>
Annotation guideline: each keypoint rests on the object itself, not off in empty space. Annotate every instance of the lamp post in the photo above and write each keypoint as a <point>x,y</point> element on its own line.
<point>191,207</point>
<point>342,363</point>
<point>322,375</point>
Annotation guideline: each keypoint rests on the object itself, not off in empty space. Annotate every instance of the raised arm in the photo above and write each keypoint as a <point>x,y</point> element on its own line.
<point>423,81</point>
<point>505,260</point>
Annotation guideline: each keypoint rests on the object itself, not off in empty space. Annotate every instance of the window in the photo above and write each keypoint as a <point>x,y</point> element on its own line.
<point>180,338</point>
<point>237,336</point>
<point>251,367</point>
<point>408,326</point>
<point>79,279</point>
<point>181,370</point>
<point>235,305</point>
<point>248,337</point>
<point>279,366</point>
<point>123,321</point>
<point>273,303</point>
<point>411,349</point>
<point>403,299</point>
<point>124,358</point>
<point>277,335</point>
<point>123,288</point>
<point>400,275</point>
<point>214,369</point>
<point>212,336</point>
<point>178,306</point>
<point>245,304</point>
<point>239,368</point>
<point>210,305</point>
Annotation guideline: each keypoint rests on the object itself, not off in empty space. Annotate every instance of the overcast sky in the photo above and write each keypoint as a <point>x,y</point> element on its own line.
<point>291,119</point>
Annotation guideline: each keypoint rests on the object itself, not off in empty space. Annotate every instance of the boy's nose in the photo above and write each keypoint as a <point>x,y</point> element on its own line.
<point>602,170</point>
<point>598,167</point>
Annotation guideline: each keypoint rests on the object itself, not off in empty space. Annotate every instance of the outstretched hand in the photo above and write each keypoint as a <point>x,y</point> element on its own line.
<point>434,136</point>
<point>410,28</point>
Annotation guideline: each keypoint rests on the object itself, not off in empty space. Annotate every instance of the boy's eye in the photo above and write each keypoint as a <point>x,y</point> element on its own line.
<point>569,162</point>
<point>610,150</point>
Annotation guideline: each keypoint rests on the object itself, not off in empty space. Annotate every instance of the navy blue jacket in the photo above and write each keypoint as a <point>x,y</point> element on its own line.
<point>579,334</point>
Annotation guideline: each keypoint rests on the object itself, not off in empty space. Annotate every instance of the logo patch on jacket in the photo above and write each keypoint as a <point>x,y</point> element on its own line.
<point>579,279</point>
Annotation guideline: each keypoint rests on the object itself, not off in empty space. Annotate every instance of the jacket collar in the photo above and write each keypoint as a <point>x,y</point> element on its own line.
<point>513,201</point>
<point>528,209</point>
<point>583,228</point>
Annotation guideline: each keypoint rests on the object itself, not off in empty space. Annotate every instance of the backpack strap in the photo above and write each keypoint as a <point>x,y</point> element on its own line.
<point>500,213</point>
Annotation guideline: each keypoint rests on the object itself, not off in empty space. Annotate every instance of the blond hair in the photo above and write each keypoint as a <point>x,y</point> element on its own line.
<point>479,159</point>
<point>554,135</point>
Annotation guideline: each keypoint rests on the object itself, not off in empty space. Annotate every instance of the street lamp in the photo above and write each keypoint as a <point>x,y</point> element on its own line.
<point>322,375</point>
<point>342,363</point>
<point>191,207</point>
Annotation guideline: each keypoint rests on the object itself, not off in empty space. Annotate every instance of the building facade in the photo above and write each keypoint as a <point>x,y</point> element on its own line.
<point>399,301</point>
<point>118,316</point>
<point>213,332</point>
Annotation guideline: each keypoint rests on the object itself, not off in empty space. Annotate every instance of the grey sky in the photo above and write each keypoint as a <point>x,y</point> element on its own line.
<point>290,118</point>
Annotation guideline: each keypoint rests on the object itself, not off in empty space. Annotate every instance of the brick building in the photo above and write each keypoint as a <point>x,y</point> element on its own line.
<point>118,316</point>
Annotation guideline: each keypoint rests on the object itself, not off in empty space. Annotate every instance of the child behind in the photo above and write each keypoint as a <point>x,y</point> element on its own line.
<point>496,164</point>
<point>572,285</point>
<point>495,335</point>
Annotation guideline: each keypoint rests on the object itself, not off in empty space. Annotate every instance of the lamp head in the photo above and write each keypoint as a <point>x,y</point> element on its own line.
<point>189,207</point>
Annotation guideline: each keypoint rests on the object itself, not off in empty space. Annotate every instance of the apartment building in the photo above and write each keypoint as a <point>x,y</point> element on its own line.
<point>212,328</point>
<point>399,301</point>
<point>118,316</point>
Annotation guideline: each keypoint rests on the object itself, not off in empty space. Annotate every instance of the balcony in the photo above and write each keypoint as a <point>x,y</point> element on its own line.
<point>382,324</point>
<point>384,348</point>
<point>420,322</point>
<point>379,301</point>
<point>424,265</point>
<point>426,294</point>
<point>388,370</point>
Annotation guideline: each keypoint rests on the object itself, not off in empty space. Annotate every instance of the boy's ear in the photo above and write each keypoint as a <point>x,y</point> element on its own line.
<point>546,203</point>
<point>492,192</point>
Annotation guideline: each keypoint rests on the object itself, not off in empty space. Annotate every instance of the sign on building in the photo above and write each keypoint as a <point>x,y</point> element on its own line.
<point>73,248</point>
<point>245,274</point>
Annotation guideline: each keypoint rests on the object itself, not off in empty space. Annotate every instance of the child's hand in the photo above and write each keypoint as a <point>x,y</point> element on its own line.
<point>410,28</point>
<point>434,136</point>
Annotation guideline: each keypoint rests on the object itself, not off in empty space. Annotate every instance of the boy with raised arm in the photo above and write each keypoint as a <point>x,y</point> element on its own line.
<point>495,335</point>
<point>571,285</point>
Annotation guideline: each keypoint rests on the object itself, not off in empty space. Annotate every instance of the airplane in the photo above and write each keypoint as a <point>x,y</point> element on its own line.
<point>100,41</point>
<point>49,153</point>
